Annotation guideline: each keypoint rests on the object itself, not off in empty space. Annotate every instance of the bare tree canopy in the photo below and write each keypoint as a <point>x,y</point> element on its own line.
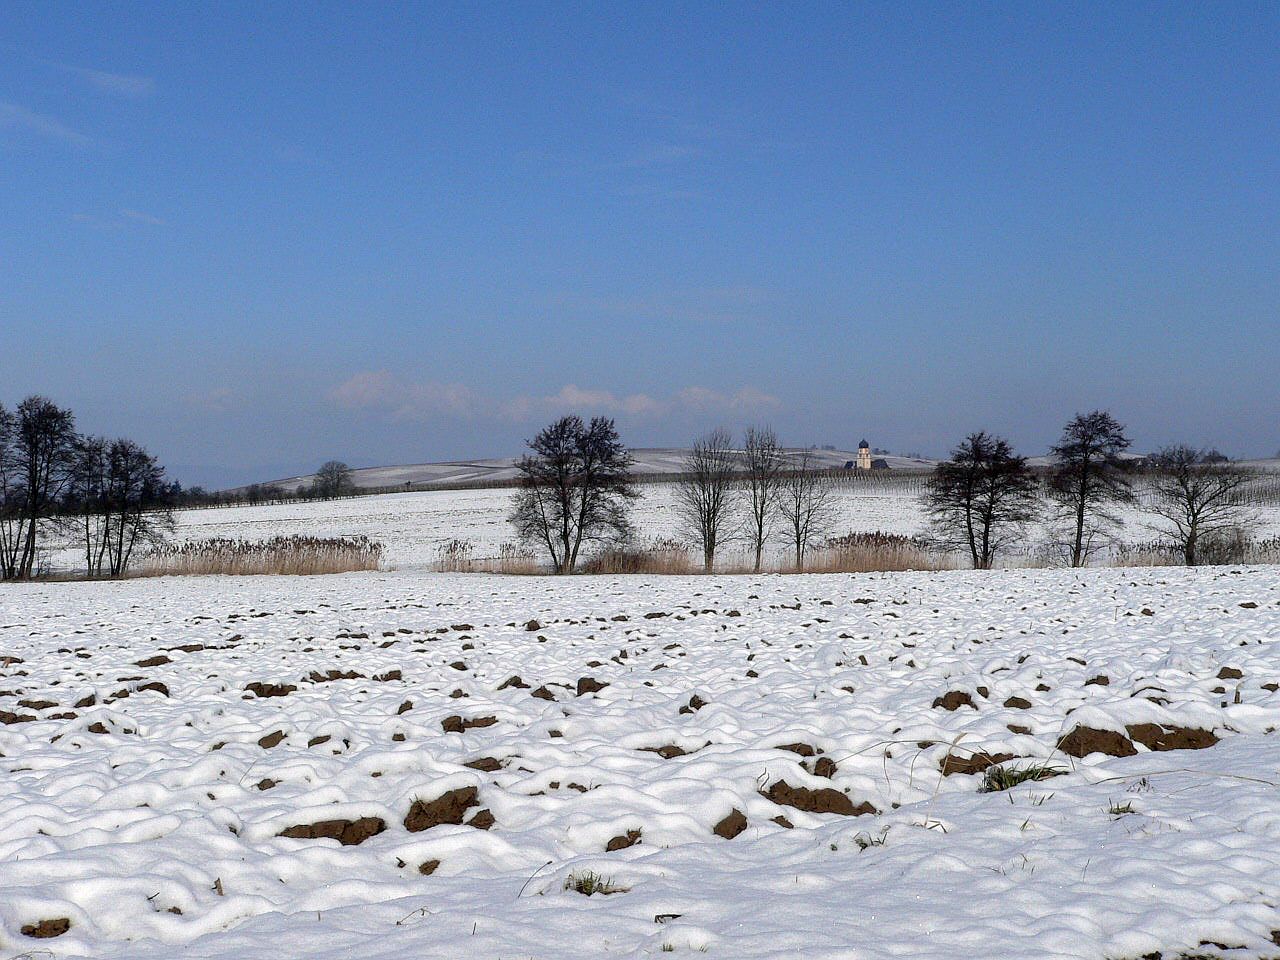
<point>981,496</point>
<point>762,462</point>
<point>117,499</point>
<point>807,504</point>
<point>1087,478</point>
<point>333,480</point>
<point>1196,497</point>
<point>112,496</point>
<point>575,488</point>
<point>40,456</point>
<point>11,498</point>
<point>705,493</point>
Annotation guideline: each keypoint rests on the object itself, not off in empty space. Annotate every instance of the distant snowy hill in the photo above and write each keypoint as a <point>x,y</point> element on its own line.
<point>648,461</point>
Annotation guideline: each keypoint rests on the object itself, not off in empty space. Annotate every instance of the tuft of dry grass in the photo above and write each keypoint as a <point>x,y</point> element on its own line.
<point>875,553</point>
<point>1226,548</point>
<point>292,555</point>
<point>512,560</point>
<point>454,556</point>
<point>589,883</point>
<point>661,556</point>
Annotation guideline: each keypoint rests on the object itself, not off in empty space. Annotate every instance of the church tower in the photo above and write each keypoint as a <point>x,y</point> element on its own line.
<point>864,456</point>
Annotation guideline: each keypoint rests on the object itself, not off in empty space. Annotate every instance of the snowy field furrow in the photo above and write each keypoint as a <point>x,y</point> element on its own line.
<point>399,764</point>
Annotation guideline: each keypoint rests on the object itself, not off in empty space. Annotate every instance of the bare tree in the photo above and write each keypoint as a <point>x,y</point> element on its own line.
<point>43,452</point>
<point>1089,477</point>
<point>85,503</point>
<point>981,496</point>
<point>762,479</point>
<point>705,493</point>
<point>1196,498</point>
<point>333,480</point>
<point>116,499</point>
<point>807,504</point>
<point>575,488</point>
<point>10,498</point>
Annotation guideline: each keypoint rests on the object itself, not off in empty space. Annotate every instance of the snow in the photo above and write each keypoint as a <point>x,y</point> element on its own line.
<point>115,813</point>
<point>413,526</point>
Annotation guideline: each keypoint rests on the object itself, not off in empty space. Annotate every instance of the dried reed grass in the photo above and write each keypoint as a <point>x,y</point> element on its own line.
<point>291,555</point>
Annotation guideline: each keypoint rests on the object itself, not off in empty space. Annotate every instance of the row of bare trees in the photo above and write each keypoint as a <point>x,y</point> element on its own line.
<point>755,493</point>
<point>576,489</point>
<point>110,495</point>
<point>981,498</point>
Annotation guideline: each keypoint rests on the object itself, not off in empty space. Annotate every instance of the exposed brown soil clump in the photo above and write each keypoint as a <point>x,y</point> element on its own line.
<point>270,689</point>
<point>458,724</point>
<point>669,752</point>
<point>975,763</point>
<point>823,800</point>
<point>449,807</point>
<point>628,839</point>
<point>589,685</point>
<point>47,929</point>
<point>731,826</point>
<point>349,833</point>
<point>1082,741</point>
<point>1155,737</point>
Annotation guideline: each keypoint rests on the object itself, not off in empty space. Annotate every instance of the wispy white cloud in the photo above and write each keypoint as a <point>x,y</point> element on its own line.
<point>17,117</point>
<point>218,400</point>
<point>123,219</point>
<point>140,217</point>
<point>116,84</point>
<point>382,391</point>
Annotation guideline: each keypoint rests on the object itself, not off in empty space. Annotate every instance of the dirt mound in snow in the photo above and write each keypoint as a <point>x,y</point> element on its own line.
<point>449,807</point>
<point>974,763</point>
<point>628,839</point>
<point>349,833</point>
<point>270,689</point>
<point>458,724</point>
<point>1082,741</point>
<point>47,929</point>
<point>1155,737</point>
<point>953,700</point>
<point>822,800</point>
<point>731,825</point>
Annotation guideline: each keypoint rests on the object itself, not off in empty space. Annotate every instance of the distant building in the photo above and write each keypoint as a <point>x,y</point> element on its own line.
<point>864,455</point>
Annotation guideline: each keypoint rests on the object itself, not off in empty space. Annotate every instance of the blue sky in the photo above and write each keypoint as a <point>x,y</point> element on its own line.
<point>257,236</point>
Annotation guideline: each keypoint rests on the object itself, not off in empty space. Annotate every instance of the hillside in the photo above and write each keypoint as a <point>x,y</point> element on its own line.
<point>649,461</point>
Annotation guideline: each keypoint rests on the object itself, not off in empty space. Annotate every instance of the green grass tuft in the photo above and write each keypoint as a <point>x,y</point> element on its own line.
<point>995,779</point>
<point>589,883</point>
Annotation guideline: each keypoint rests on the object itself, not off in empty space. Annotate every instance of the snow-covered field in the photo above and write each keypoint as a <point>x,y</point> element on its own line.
<point>756,763</point>
<point>412,526</point>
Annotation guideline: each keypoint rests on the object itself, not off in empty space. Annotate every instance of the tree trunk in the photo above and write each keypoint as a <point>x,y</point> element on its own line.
<point>1077,548</point>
